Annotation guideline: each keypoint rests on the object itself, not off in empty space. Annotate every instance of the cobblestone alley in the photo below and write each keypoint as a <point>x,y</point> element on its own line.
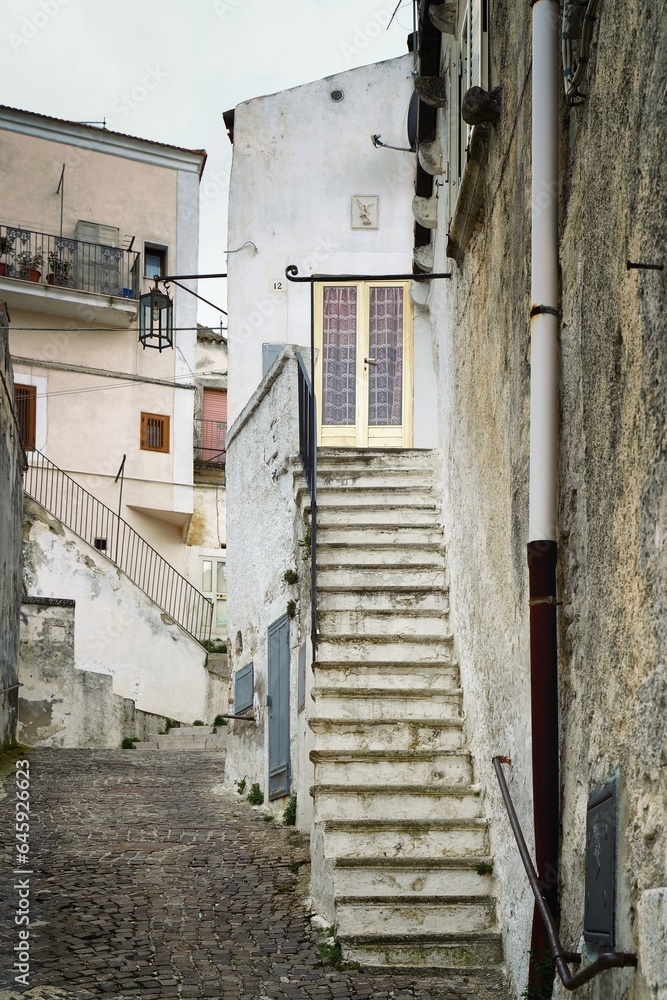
<point>144,877</point>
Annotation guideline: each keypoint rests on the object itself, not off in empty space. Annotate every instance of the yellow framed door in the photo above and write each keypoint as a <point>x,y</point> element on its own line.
<point>364,370</point>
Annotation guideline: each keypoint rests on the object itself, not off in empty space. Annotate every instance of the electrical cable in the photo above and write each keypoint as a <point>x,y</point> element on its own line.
<point>91,329</point>
<point>119,385</point>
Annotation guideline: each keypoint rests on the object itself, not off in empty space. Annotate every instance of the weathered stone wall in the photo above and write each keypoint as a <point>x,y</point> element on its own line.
<point>11,512</point>
<point>613,511</point>
<point>263,542</point>
<point>59,705</point>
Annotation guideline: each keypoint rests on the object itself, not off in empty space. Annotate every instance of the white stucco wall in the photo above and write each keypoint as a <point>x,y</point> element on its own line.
<point>263,543</point>
<point>118,629</point>
<point>299,158</point>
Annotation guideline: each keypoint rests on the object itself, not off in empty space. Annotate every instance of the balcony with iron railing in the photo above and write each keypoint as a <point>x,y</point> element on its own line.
<point>210,443</point>
<point>60,275</point>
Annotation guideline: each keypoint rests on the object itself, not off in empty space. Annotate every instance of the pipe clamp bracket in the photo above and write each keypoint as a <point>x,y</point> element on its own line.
<point>544,309</point>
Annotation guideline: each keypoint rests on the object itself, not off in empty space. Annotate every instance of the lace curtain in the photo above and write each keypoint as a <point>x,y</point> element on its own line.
<point>339,356</point>
<point>385,402</point>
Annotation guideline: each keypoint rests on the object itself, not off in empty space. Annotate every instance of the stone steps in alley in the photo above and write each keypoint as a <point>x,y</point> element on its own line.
<point>400,841</point>
<point>188,738</point>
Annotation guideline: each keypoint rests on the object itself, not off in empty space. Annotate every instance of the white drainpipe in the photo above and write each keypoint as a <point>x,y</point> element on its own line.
<point>544,275</point>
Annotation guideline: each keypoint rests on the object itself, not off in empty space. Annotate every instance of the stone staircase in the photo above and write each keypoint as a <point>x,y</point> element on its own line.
<point>187,738</point>
<point>400,846</point>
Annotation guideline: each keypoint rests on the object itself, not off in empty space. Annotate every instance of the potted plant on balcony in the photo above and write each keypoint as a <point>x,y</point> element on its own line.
<point>60,269</point>
<point>4,246</point>
<point>30,264</point>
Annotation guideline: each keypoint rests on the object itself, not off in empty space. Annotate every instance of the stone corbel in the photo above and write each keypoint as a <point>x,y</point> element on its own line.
<point>423,257</point>
<point>480,106</point>
<point>431,90</point>
<point>419,293</point>
<point>443,16</point>
<point>430,157</point>
<point>425,211</point>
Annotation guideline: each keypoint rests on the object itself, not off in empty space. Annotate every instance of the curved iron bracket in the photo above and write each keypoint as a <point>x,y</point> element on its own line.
<point>292,274</point>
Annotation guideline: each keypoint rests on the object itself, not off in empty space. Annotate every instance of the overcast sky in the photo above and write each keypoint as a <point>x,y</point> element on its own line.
<point>167,69</point>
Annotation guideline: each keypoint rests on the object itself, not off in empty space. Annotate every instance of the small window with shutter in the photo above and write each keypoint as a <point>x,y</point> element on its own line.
<point>26,411</point>
<point>154,432</point>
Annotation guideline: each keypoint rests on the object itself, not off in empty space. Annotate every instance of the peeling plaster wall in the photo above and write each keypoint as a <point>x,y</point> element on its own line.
<point>11,492</point>
<point>61,706</point>
<point>118,629</point>
<point>262,459</point>
<point>613,472</point>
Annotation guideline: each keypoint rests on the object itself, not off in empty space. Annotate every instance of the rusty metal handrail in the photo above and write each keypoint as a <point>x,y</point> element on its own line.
<point>608,960</point>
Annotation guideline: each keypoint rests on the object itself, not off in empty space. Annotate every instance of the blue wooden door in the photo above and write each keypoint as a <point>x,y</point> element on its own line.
<point>279,769</point>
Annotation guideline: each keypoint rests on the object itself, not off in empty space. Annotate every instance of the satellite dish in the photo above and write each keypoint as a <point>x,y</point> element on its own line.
<point>413,119</point>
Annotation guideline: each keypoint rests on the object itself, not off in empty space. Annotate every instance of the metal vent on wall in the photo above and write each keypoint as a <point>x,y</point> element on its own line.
<point>599,915</point>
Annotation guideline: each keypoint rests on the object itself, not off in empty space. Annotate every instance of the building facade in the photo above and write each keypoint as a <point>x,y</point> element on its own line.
<point>481,173</point>
<point>563,678</point>
<point>110,426</point>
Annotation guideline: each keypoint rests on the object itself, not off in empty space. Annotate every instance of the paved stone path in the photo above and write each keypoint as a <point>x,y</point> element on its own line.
<point>147,879</point>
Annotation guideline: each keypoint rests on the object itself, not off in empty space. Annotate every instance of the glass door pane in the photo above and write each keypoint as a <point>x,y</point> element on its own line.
<point>207,576</point>
<point>339,356</point>
<point>221,595</point>
<point>385,368</point>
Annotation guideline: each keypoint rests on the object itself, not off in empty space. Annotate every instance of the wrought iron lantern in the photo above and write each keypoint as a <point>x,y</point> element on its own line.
<point>156,319</point>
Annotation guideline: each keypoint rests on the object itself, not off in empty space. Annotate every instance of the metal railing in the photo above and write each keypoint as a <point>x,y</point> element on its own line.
<point>102,528</point>
<point>609,960</point>
<point>69,263</point>
<point>210,442</point>
<point>308,456</point>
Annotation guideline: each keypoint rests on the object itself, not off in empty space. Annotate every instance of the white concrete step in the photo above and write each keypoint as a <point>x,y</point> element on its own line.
<point>378,495</point>
<point>186,734</point>
<point>389,767</point>
<point>416,839</point>
<point>404,622</point>
<point>191,730</point>
<point>436,951</point>
<point>458,915</point>
<point>410,705</point>
<point>389,459</point>
<point>386,648</point>
<point>360,533</point>
<point>399,802</point>
<point>406,676</point>
<point>330,513</point>
<point>391,734</point>
<point>361,479</point>
<point>387,599</point>
<point>341,554</point>
<point>212,743</point>
<point>379,877</point>
<point>381,576</point>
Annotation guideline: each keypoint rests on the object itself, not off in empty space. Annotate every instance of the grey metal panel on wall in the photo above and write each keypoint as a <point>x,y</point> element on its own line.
<point>269,354</point>
<point>244,685</point>
<point>279,676</point>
